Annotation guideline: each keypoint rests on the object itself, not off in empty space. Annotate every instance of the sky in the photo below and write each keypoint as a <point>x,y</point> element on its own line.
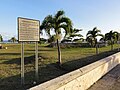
<point>85,14</point>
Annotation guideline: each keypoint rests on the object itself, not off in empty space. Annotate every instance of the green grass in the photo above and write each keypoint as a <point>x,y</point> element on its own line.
<point>72,59</point>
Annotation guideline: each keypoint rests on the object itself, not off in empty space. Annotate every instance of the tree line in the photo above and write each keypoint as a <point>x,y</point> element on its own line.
<point>60,22</point>
<point>12,39</point>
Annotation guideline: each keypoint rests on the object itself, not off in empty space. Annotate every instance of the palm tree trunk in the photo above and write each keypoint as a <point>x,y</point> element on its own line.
<point>118,45</point>
<point>111,45</point>
<point>118,42</point>
<point>59,53</point>
<point>96,48</point>
<point>96,45</point>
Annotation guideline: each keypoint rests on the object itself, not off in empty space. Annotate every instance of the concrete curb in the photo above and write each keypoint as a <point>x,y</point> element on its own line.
<point>83,78</point>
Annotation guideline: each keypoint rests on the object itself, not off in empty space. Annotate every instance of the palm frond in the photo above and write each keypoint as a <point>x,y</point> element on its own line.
<point>66,40</point>
<point>89,33</point>
<point>80,39</point>
<point>77,30</point>
<point>76,35</point>
<point>94,29</point>
<point>47,22</point>
<point>59,14</point>
<point>100,35</point>
<point>64,20</point>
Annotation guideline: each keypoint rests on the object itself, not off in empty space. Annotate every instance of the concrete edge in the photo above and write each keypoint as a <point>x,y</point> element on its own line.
<point>64,79</point>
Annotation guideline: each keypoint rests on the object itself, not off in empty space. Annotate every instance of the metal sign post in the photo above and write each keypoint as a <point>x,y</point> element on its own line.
<point>36,61</point>
<point>22,62</point>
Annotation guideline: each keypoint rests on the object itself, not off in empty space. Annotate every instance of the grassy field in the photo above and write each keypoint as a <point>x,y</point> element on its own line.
<point>72,58</point>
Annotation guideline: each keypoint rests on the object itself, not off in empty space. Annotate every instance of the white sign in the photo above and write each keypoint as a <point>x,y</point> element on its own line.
<point>28,29</point>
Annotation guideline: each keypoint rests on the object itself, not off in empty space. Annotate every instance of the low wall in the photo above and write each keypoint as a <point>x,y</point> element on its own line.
<point>83,78</point>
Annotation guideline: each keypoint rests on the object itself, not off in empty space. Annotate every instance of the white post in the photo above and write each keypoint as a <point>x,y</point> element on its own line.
<point>22,62</point>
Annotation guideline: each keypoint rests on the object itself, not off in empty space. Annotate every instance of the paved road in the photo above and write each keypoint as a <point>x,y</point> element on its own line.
<point>111,81</point>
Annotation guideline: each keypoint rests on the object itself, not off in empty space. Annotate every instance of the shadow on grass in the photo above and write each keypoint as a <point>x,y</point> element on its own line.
<point>27,60</point>
<point>42,50</point>
<point>10,53</point>
<point>46,72</point>
<point>75,64</point>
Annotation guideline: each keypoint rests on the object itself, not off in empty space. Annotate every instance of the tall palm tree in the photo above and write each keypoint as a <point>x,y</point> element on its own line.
<point>112,37</point>
<point>1,38</point>
<point>92,37</point>
<point>57,22</point>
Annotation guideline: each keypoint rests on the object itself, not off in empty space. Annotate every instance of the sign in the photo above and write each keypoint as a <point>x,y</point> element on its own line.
<point>28,29</point>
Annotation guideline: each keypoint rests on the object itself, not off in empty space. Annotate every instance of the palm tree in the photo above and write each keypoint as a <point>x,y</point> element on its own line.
<point>57,22</point>
<point>112,37</point>
<point>13,39</point>
<point>92,37</point>
<point>1,38</point>
<point>74,33</point>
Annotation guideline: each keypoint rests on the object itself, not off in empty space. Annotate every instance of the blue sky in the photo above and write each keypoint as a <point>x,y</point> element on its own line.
<point>85,14</point>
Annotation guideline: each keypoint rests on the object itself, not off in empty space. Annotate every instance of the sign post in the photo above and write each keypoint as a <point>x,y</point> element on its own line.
<point>28,31</point>
<point>22,62</point>
<point>118,42</point>
<point>36,60</point>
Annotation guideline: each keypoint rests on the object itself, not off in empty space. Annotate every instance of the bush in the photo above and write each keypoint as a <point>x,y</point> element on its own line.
<point>69,45</point>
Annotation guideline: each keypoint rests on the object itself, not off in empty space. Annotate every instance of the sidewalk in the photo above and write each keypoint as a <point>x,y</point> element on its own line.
<point>111,81</point>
